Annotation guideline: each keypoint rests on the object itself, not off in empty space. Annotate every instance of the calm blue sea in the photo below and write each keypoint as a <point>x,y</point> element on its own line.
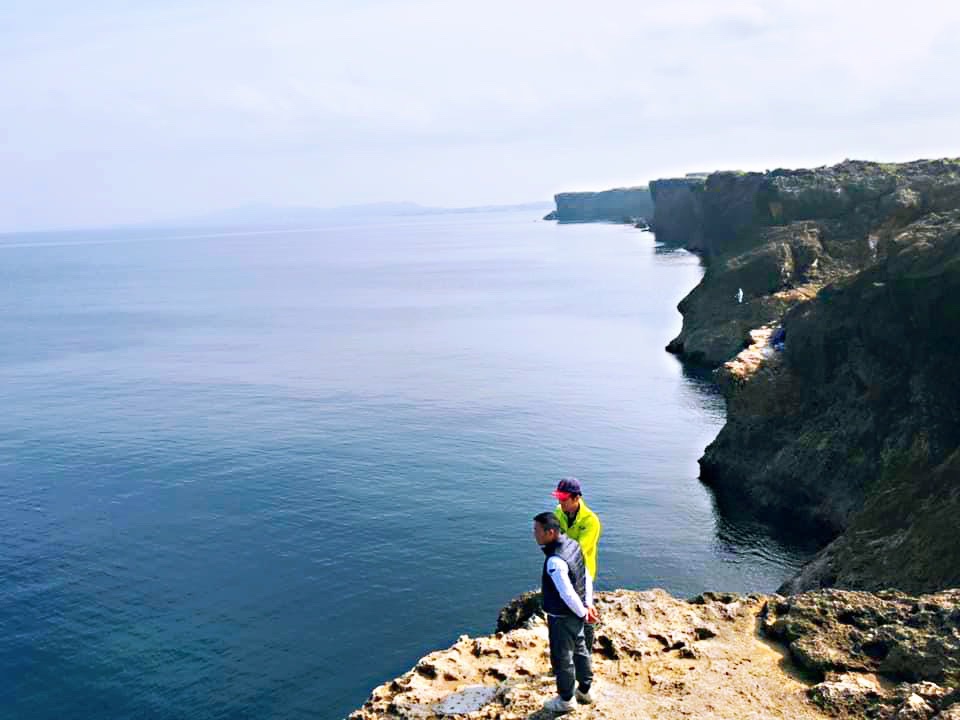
<point>253,474</point>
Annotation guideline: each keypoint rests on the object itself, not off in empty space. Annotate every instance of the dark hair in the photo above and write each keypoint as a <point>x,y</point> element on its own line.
<point>547,520</point>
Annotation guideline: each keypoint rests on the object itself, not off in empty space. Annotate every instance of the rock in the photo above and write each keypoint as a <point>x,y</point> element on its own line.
<point>914,708</point>
<point>657,656</point>
<point>618,205</point>
<point>734,674</point>
<point>519,611</point>
<point>783,267</point>
<point>851,434</point>
<point>848,694</point>
<point>468,700</point>
<point>897,635</point>
<point>678,212</point>
<point>932,693</point>
<point>704,632</point>
<point>487,646</point>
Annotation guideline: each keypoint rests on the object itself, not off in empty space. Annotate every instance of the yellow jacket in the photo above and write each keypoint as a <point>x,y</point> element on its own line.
<point>586,530</point>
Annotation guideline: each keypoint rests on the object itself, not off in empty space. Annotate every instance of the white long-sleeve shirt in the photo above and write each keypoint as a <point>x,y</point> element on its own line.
<point>559,572</point>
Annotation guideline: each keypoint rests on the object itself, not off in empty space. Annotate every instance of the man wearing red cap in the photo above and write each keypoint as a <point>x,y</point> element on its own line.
<point>578,522</point>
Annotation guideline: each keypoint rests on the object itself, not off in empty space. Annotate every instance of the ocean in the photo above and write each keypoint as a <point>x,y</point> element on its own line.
<point>251,473</point>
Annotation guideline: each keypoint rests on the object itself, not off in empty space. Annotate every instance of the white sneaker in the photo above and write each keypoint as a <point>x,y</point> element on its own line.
<point>584,698</point>
<point>558,705</point>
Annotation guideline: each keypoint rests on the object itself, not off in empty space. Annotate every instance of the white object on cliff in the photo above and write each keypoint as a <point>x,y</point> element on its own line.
<point>466,701</point>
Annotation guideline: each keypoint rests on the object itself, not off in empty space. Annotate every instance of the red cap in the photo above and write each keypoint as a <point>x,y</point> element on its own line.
<point>561,495</point>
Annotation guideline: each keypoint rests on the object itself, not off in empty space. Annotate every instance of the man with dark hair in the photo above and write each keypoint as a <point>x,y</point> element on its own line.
<point>578,522</point>
<point>568,602</point>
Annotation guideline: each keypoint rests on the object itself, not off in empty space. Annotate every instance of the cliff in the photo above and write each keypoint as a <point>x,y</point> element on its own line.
<point>618,205</point>
<point>852,432</point>
<point>855,427</point>
<point>818,655</point>
<point>678,211</point>
<point>783,235</point>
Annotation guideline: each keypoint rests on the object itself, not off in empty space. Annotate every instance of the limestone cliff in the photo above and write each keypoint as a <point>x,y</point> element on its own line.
<point>855,427</point>
<point>618,205</point>
<point>781,236</point>
<point>678,211</point>
<point>817,655</point>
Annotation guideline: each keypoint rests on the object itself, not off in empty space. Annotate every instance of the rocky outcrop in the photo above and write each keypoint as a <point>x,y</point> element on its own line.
<point>855,427</point>
<point>781,236</point>
<point>618,205</point>
<point>818,655</point>
<point>852,432</point>
<point>743,291</point>
<point>678,211</point>
<point>887,655</point>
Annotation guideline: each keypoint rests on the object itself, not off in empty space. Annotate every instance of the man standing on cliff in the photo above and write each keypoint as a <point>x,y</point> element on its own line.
<point>580,523</point>
<point>568,602</point>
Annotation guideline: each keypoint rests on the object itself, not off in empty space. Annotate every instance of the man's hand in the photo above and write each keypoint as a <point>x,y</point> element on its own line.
<point>592,615</point>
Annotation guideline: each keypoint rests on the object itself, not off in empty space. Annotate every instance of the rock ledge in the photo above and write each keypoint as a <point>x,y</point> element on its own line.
<point>720,655</point>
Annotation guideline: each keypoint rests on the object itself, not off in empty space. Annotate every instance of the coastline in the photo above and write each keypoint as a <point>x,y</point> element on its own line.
<point>824,253</point>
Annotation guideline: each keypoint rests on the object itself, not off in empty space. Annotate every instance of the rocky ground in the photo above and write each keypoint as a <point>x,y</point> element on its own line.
<point>816,655</point>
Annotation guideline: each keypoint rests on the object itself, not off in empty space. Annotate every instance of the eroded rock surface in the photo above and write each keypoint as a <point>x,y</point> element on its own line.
<point>855,427</point>
<point>883,655</point>
<point>852,434</point>
<point>659,657</point>
<point>786,230</point>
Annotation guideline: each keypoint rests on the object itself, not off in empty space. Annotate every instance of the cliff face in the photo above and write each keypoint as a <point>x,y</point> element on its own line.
<point>817,655</point>
<point>619,205</point>
<point>725,212</point>
<point>855,427</point>
<point>678,212</point>
<point>783,235</point>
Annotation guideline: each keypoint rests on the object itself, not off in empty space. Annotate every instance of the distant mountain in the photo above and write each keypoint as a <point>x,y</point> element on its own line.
<point>298,215</point>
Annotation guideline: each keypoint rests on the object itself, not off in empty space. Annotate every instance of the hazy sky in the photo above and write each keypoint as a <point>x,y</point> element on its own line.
<point>121,111</point>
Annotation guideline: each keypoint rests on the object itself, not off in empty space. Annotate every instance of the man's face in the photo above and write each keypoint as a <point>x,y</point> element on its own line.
<point>570,503</point>
<point>542,536</point>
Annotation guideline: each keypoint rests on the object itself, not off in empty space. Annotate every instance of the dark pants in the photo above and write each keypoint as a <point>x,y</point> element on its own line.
<point>569,656</point>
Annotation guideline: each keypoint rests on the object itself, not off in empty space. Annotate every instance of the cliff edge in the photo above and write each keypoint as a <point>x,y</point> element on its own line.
<point>817,655</point>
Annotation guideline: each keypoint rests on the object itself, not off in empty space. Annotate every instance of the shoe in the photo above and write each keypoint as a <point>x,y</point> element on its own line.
<point>558,705</point>
<point>584,698</point>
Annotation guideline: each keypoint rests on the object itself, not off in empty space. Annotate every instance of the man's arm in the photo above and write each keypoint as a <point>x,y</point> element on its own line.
<point>589,538</point>
<point>559,572</point>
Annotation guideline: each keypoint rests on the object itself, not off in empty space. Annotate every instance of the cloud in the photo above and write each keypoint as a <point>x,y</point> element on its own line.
<point>242,93</point>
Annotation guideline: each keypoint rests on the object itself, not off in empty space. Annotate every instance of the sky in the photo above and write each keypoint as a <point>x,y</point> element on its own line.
<point>117,112</point>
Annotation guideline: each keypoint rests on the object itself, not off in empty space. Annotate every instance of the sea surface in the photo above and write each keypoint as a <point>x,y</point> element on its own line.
<point>253,474</point>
